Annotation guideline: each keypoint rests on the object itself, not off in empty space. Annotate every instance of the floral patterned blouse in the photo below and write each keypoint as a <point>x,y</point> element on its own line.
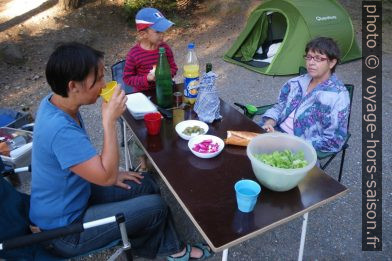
<point>321,116</point>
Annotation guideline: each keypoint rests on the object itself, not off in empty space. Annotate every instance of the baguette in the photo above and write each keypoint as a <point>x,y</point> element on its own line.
<point>240,138</point>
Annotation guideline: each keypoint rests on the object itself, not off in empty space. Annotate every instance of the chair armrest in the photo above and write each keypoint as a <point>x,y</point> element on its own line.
<point>46,235</point>
<point>322,155</point>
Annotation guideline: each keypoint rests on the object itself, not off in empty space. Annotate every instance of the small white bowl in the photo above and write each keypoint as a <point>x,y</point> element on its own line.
<point>201,138</point>
<point>180,127</point>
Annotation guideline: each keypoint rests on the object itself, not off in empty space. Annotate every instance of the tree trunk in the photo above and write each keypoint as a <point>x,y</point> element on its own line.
<point>69,4</point>
<point>183,4</point>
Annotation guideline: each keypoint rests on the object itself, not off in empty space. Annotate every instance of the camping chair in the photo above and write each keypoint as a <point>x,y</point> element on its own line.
<point>251,111</point>
<point>18,243</point>
<point>15,119</point>
<point>117,75</point>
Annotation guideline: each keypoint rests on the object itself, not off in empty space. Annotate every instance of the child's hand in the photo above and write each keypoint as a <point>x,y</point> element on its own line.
<point>151,74</point>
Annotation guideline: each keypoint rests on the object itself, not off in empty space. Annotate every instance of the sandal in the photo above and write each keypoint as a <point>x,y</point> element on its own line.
<point>205,249</point>
<point>187,256</point>
<point>142,169</point>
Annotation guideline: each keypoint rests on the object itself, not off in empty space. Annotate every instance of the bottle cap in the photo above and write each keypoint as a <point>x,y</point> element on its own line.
<point>162,50</point>
<point>191,45</point>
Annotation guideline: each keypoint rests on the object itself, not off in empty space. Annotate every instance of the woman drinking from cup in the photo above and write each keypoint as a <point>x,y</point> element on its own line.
<point>71,182</point>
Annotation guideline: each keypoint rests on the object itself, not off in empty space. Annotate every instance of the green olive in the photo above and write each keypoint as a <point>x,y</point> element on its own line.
<point>194,129</point>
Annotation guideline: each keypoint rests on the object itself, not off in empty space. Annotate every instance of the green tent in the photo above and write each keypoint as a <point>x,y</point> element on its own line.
<point>275,36</point>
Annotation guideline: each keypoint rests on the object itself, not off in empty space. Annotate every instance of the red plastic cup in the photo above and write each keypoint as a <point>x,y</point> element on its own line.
<point>153,122</point>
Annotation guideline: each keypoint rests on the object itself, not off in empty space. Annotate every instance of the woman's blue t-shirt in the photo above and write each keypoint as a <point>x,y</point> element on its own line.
<point>58,196</point>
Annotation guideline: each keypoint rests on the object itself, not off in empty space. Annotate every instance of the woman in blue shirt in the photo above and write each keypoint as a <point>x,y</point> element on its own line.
<point>314,106</point>
<point>71,182</point>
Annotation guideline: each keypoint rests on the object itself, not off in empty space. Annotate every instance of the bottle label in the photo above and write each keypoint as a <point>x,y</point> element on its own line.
<point>190,87</point>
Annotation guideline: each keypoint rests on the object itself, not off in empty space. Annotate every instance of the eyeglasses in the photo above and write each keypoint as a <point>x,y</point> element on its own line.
<point>315,58</point>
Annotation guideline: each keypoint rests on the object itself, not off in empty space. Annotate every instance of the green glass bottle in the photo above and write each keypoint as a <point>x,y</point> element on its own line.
<point>163,80</point>
<point>208,67</point>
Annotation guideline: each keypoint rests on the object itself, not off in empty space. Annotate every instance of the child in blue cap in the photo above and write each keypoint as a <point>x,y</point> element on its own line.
<point>139,71</point>
<point>141,61</point>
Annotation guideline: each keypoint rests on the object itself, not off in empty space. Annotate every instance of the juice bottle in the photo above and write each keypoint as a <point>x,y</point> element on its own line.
<point>163,79</point>
<point>191,75</point>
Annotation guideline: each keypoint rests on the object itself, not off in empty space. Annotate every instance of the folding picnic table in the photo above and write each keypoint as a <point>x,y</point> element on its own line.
<point>213,210</point>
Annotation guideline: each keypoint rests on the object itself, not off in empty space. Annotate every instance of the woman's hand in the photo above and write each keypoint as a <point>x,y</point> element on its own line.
<point>269,125</point>
<point>127,175</point>
<point>113,109</point>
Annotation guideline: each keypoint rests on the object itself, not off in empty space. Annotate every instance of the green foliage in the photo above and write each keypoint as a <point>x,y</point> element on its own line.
<point>165,6</point>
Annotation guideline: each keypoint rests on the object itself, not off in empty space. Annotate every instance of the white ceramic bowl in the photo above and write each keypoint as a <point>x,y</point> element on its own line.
<point>279,179</point>
<point>180,127</point>
<point>192,142</point>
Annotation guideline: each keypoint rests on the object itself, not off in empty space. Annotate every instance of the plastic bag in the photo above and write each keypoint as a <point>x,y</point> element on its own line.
<point>207,104</point>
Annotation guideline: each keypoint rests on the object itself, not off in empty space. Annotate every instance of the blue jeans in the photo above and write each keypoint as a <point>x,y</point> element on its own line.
<point>148,221</point>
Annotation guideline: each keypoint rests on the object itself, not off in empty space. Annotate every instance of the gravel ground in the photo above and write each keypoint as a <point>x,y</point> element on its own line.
<point>334,230</point>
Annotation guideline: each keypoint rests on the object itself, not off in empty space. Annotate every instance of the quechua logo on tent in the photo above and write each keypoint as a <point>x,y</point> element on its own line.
<point>325,18</point>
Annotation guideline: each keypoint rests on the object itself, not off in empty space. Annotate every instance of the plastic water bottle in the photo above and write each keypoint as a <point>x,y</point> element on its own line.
<point>191,75</point>
<point>164,82</point>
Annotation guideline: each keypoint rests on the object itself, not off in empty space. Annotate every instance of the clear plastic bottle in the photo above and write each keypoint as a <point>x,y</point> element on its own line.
<point>191,75</point>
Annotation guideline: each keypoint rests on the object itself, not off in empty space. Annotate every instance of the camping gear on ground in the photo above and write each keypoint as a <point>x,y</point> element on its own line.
<point>274,38</point>
<point>15,119</point>
<point>16,146</point>
<point>18,243</point>
<point>207,104</point>
<point>164,82</point>
<point>191,75</point>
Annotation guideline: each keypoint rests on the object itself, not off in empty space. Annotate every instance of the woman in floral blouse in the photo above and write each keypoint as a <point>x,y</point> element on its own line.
<point>314,106</point>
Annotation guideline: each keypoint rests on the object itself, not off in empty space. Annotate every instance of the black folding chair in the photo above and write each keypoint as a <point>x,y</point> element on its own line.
<point>251,111</point>
<point>18,243</point>
<point>117,75</point>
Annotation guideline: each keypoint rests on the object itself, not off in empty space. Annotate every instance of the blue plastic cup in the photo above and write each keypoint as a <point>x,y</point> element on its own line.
<point>247,192</point>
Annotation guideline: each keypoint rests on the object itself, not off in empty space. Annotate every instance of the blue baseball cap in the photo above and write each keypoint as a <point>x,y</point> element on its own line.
<point>152,18</point>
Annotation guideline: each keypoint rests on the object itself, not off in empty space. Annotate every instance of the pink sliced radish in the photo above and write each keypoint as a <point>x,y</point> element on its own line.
<point>206,146</point>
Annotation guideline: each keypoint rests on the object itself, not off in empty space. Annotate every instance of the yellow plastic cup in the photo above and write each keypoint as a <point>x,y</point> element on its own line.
<point>107,92</point>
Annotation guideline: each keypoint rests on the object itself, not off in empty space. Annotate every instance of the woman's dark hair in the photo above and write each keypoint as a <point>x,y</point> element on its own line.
<point>326,46</point>
<point>71,62</point>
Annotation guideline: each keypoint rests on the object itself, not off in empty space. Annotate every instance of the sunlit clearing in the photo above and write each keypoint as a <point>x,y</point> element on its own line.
<point>19,7</point>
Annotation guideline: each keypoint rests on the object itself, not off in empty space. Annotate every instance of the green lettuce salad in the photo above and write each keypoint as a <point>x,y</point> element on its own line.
<point>283,159</point>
